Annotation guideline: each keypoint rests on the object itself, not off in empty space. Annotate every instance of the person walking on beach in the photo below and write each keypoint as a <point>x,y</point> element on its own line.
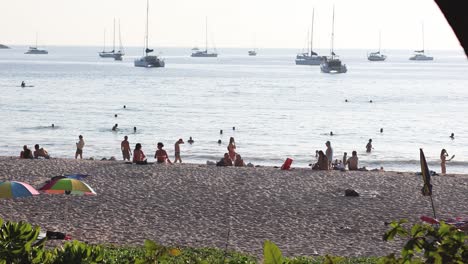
<point>161,155</point>
<point>443,159</point>
<point>369,146</point>
<point>232,149</point>
<point>79,147</point>
<point>138,155</point>
<point>125,147</point>
<point>177,150</point>
<point>329,154</point>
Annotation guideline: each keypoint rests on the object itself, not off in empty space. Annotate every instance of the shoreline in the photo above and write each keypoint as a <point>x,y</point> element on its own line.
<point>303,211</point>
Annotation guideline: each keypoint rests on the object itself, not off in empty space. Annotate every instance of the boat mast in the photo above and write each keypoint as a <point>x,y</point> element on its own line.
<point>146,36</point>
<point>104,47</point>
<point>312,35</point>
<point>379,41</point>
<point>206,34</point>
<point>36,40</point>
<point>120,40</point>
<point>422,28</point>
<point>113,41</point>
<point>333,33</point>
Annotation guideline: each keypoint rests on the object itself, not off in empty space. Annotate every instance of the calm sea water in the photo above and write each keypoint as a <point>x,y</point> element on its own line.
<point>279,109</point>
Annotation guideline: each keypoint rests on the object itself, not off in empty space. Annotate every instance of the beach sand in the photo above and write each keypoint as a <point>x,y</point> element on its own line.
<point>303,211</point>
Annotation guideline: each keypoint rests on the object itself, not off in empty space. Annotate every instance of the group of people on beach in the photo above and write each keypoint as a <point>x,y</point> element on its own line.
<point>231,158</point>
<point>325,160</point>
<point>39,152</point>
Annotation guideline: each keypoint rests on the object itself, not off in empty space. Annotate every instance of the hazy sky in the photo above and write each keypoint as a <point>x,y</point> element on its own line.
<point>232,23</point>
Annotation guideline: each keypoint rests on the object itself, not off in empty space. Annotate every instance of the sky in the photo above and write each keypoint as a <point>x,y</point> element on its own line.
<point>231,23</point>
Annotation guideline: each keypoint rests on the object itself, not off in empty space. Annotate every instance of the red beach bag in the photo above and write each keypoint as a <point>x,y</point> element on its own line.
<point>287,164</point>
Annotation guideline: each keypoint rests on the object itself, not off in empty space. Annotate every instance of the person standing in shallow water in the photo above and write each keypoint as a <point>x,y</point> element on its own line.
<point>369,146</point>
<point>443,159</point>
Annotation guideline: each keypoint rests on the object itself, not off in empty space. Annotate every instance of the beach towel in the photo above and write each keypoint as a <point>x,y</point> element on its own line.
<point>287,164</point>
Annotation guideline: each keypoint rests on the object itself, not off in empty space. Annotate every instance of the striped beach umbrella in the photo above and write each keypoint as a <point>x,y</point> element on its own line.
<point>67,186</point>
<point>14,189</point>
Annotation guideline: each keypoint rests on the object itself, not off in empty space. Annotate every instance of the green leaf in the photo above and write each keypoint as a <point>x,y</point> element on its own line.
<point>271,253</point>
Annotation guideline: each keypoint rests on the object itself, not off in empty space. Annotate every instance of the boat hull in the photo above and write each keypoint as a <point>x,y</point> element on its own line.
<point>309,60</point>
<point>149,62</point>
<point>204,54</point>
<point>36,52</point>
<point>333,67</point>
<point>376,58</point>
<point>421,58</point>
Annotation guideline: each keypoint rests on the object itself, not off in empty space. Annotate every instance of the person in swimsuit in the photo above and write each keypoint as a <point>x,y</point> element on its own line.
<point>23,84</point>
<point>443,159</point>
<point>190,141</point>
<point>329,154</point>
<point>232,149</point>
<point>369,146</point>
<point>138,155</point>
<point>79,147</point>
<point>26,153</point>
<point>177,150</point>
<point>125,147</point>
<point>40,152</point>
<point>161,155</point>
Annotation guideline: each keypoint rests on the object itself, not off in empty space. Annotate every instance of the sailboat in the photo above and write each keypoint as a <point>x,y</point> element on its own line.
<point>204,53</point>
<point>112,54</point>
<point>311,57</point>
<point>332,64</point>
<point>35,50</point>
<point>253,52</point>
<point>148,61</point>
<point>419,54</point>
<point>118,55</point>
<point>376,56</point>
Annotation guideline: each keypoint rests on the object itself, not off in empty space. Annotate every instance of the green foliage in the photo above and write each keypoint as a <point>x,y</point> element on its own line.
<point>428,244</point>
<point>18,243</point>
<point>76,252</point>
<point>271,253</point>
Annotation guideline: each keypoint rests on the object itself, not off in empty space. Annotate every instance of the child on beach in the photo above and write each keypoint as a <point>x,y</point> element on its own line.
<point>161,155</point>
<point>177,150</point>
<point>79,147</point>
<point>125,147</point>
<point>138,155</point>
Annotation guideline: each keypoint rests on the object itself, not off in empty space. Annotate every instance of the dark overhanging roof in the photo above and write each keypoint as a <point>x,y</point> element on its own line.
<point>457,17</point>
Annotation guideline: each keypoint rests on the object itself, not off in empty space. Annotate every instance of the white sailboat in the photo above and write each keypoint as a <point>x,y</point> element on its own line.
<point>333,64</point>
<point>112,54</point>
<point>119,54</point>
<point>204,53</point>
<point>419,54</point>
<point>376,56</point>
<point>35,50</point>
<point>148,61</point>
<point>311,57</point>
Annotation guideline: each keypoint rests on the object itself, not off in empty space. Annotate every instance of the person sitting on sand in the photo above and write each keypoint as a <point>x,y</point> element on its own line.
<point>138,155</point>
<point>190,141</point>
<point>40,152</point>
<point>26,153</point>
<point>161,155</point>
<point>125,147</point>
<point>225,161</point>
<point>239,162</point>
<point>353,163</point>
<point>322,163</point>
<point>369,146</point>
<point>177,150</point>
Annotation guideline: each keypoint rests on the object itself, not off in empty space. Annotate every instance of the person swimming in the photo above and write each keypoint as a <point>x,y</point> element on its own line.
<point>381,130</point>
<point>331,133</point>
<point>23,84</point>
<point>233,128</point>
<point>219,141</point>
<point>190,141</point>
<point>125,106</point>
<point>134,129</point>
<point>452,136</point>
<point>221,132</point>
<point>114,128</point>
<point>53,126</point>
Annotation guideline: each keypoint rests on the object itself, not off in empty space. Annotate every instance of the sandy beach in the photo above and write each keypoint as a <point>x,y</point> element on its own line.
<point>304,212</point>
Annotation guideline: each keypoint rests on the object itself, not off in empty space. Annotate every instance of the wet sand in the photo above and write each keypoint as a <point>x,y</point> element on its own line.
<point>303,211</point>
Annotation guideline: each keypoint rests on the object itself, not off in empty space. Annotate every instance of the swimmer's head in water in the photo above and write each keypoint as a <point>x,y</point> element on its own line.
<point>219,141</point>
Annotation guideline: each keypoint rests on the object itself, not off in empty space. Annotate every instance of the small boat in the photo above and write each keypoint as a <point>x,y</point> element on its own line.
<point>252,53</point>
<point>333,64</point>
<point>376,56</point>
<point>310,57</point>
<point>35,50</point>
<point>204,53</point>
<point>148,61</point>
<point>419,54</point>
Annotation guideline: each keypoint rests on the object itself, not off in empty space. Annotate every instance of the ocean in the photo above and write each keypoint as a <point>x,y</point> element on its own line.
<point>278,109</point>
